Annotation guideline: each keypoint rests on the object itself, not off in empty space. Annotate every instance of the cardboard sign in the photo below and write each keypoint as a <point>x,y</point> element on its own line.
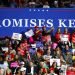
<point>29,33</point>
<point>55,60</point>
<point>17,36</point>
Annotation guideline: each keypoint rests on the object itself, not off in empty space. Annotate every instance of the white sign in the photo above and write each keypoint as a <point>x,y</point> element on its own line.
<point>47,57</point>
<point>64,37</point>
<point>73,50</point>
<point>5,49</point>
<point>17,36</point>
<point>29,33</point>
<point>55,60</point>
<point>33,45</point>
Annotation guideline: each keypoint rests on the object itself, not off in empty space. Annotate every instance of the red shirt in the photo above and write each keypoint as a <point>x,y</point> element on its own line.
<point>69,72</point>
<point>57,37</point>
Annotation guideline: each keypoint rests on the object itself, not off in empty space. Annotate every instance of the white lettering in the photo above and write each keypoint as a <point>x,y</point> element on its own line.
<point>62,23</point>
<point>17,23</point>
<point>72,23</point>
<point>49,23</point>
<point>6,22</point>
<point>33,23</point>
<point>41,22</point>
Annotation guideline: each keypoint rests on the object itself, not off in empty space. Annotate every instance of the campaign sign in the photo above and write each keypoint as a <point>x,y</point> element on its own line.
<point>14,64</point>
<point>19,20</point>
<point>55,60</point>
<point>29,33</point>
<point>5,49</point>
<point>64,37</point>
<point>17,36</point>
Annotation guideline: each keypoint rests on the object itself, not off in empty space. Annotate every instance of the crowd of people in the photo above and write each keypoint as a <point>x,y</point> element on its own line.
<point>43,53</point>
<point>37,3</point>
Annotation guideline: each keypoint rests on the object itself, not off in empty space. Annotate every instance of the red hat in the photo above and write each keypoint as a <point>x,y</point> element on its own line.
<point>51,68</point>
<point>44,70</point>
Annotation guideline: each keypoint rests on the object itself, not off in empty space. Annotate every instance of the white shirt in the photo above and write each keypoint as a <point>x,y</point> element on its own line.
<point>32,70</point>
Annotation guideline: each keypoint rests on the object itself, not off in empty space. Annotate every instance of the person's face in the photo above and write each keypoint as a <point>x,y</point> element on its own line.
<point>68,53</point>
<point>31,63</point>
<point>49,47</point>
<point>55,64</point>
<point>48,52</point>
<point>66,30</point>
<point>41,64</point>
<point>46,3</point>
<point>18,73</point>
<point>23,73</point>
<point>67,47</point>
<point>58,52</point>
<point>51,71</point>
<point>61,57</point>
<point>43,28</point>
<point>21,45</point>
<point>38,55</point>
<point>58,29</point>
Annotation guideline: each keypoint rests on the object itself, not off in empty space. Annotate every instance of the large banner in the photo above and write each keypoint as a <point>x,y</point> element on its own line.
<point>19,20</point>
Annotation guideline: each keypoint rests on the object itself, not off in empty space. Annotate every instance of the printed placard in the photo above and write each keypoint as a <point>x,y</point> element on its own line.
<point>17,36</point>
<point>55,60</point>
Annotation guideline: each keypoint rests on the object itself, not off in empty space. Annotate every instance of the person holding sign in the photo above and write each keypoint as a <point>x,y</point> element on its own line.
<point>54,67</point>
<point>65,37</point>
<point>37,33</point>
<point>67,33</point>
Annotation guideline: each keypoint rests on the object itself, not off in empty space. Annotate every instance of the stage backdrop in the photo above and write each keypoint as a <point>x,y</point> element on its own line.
<point>19,20</point>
